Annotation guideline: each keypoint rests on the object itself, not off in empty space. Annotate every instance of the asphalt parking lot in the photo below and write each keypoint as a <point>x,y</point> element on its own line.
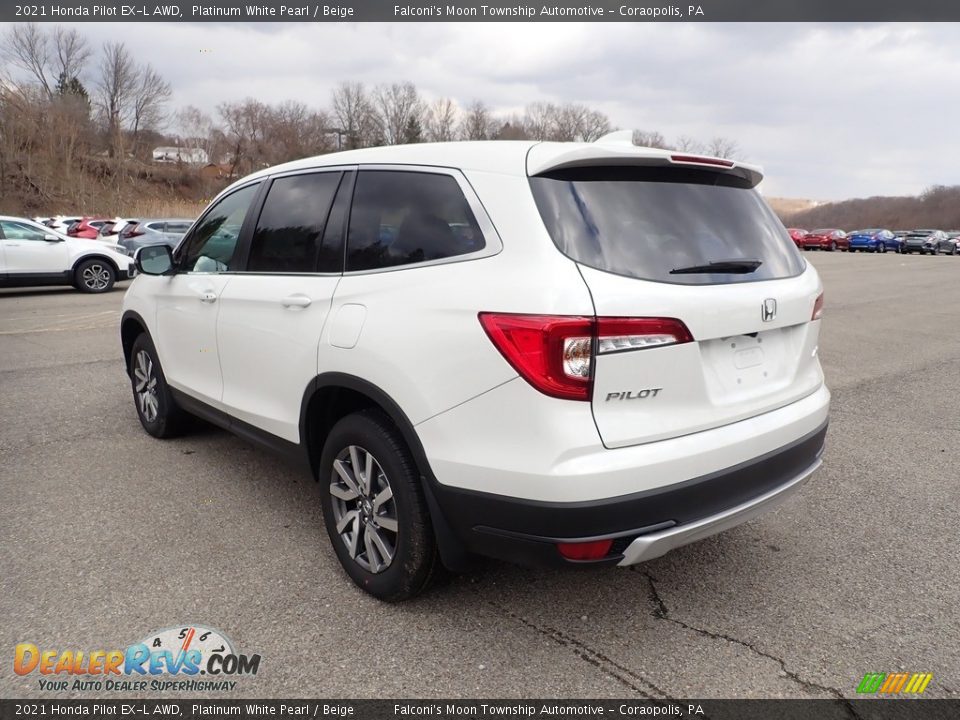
<point>109,535</point>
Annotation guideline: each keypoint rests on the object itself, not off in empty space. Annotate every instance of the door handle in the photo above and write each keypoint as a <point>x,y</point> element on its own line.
<point>297,300</point>
<point>208,297</point>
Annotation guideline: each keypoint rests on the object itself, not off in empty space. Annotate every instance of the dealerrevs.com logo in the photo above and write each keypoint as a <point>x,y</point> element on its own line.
<point>188,658</point>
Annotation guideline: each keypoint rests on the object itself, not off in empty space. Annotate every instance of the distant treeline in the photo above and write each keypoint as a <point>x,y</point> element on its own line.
<point>78,124</point>
<point>937,207</point>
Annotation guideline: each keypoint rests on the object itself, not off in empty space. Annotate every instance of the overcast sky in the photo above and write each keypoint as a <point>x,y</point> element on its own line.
<point>830,111</point>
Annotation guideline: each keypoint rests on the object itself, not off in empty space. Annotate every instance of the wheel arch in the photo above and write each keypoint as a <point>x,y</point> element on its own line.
<point>333,395</point>
<point>132,325</point>
<point>97,256</point>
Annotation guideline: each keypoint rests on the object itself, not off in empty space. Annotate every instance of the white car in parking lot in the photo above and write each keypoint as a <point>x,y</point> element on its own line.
<point>31,254</point>
<point>549,353</point>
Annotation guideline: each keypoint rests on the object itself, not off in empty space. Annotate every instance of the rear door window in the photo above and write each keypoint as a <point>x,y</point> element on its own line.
<point>289,234</point>
<point>649,223</point>
<point>403,218</point>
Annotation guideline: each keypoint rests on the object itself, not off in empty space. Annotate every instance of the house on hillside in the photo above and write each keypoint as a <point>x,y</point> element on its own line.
<point>212,171</point>
<point>190,156</point>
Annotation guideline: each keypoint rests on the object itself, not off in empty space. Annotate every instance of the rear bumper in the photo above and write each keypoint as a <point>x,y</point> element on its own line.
<point>643,525</point>
<point>653,545</point>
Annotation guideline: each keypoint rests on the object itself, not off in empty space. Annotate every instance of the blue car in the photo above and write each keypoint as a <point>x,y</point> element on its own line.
<point>874,240</point>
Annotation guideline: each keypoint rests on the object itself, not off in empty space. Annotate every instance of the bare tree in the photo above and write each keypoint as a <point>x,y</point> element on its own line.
<point>722,147</point>
<point>196,129</point>
<point>49,61</point>
<point>685,143</point>
<point>150,95</point>
<point>27,47</point>
<point>595,125</point>
<point>398,106</point>
<point>648,138</point>
<point>538,120</point>
<point>72,53</point>
<point>294,131</point>
<point>440,120</point>
<point>246,125</point>
<point>511,128</point>
<point>354,115</point>
<point>115,92</point>
<point>477,122</point>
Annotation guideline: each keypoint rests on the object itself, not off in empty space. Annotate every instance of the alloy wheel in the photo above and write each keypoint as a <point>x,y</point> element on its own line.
<point>364,509</point>
<point>146,387</point>
<point>96,276</point>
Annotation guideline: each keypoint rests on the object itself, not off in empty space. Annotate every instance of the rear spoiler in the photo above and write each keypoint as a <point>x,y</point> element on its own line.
<point>617,148</point>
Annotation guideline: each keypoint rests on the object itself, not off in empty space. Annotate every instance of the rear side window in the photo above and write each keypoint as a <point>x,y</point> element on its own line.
<point>401,218</point>
<point>290,229</point>
<point>649,223</point>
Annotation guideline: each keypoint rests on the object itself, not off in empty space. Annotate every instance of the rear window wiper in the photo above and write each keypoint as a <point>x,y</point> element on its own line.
<point>732,267</point>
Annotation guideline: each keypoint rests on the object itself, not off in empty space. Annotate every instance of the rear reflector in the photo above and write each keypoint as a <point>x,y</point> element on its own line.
<point>593,550</point>
<point>697,160</point>
<point>818,308</point>
<point>554,353</point>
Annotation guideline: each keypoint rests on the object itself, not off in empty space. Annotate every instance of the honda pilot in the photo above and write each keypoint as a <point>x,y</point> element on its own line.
<point>547,353</point>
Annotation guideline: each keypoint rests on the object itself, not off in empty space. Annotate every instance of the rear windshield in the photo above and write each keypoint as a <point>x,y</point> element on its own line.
<point>645,222</point>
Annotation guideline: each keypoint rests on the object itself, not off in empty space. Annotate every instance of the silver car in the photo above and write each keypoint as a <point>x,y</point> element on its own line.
<point>157,231</point>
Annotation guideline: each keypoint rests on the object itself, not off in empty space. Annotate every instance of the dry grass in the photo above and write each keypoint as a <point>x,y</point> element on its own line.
<point>162,208</point>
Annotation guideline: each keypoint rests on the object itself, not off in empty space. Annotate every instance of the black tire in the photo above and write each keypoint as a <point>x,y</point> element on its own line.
<point>415,557</point>
<point>94,276</point>
<point>169,420</point>
<point>833,245</point>
<point>881,248</point>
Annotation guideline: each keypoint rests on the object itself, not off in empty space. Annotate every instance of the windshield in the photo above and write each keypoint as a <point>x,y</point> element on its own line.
<point>645,222</point>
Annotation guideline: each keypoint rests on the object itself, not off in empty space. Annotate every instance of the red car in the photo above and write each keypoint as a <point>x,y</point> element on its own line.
<point>797,235</point>
<point>826,239</point>
<point>87,227</point>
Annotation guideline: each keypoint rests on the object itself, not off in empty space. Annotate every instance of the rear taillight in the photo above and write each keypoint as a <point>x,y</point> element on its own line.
<point>135,231</point>
<point>818,308</point>
<point>554,353</point>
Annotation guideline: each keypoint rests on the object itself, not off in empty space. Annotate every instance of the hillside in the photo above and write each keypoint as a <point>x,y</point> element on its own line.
<point>937,207</point>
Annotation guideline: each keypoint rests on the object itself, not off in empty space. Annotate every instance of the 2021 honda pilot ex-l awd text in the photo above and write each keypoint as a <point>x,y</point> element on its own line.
<point>567,353</point>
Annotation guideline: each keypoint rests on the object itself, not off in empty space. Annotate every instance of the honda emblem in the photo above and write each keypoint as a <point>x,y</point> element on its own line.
<point>768,311</point>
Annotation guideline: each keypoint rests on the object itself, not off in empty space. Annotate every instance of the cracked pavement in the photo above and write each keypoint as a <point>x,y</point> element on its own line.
<point>109,535</point>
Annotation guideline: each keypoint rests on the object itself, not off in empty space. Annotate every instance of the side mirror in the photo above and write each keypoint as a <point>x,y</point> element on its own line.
<point>154,260</point>
<point>52,238</point>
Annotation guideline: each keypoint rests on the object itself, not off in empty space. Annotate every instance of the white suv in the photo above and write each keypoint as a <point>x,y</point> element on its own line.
<point>560,353</point>
<point>31,254</point>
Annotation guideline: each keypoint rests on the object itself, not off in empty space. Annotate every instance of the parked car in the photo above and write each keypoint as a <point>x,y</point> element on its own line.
<point>60,223</point>
<point>825,239</point>
<point>31,254</point>
<point>876,240</point>
<point>449,399</point>
<point>797,235</point>
<point>946,243</point>
<point>166,231</point>
<point>113,227</point>
<point>923,241</point>
<point>88,228</point>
